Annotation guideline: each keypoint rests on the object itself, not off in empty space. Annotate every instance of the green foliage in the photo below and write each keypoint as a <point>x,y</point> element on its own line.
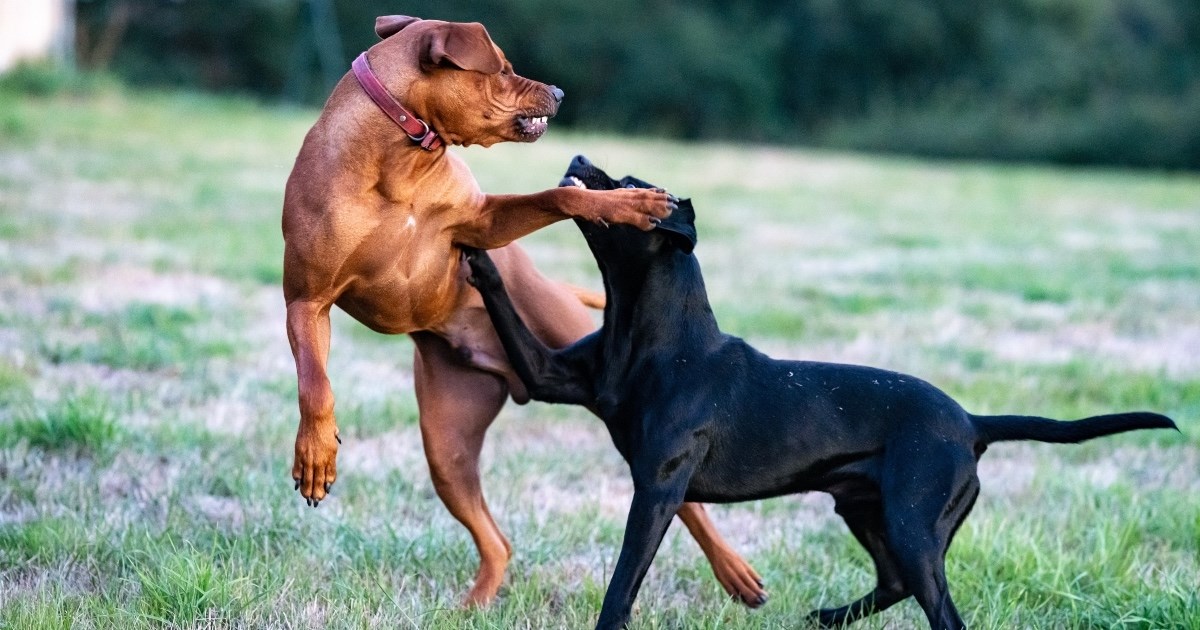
<point>1072,81</point>
<point>142,336</point>
<point>181,587</point>
<point>14,386</point>
<point>371,419</point>
<point>83,424</point>
<point>41,79</point>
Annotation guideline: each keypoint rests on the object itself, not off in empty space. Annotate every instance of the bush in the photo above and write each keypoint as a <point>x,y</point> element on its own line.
<point>1077,81</point>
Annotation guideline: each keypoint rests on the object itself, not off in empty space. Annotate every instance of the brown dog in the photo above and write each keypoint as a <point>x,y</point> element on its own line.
<point>371,218</point>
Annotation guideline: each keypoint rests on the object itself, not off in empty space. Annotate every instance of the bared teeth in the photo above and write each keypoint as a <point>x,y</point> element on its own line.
<point>533,124</point>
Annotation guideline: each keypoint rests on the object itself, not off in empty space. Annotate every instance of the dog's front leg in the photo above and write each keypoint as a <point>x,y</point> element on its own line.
<point>549,375</point>
<point>502,219</point>
<point>315,465</point>
<point>660,479</point>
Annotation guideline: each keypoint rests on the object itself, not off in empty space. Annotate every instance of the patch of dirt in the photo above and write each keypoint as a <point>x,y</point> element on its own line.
<point>220,510</point>
<point>1010,469</point>
<point>377,456</point>
<point>1176,353</point>
<point>117,286</point>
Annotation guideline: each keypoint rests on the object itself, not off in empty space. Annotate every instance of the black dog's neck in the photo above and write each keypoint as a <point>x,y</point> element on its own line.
<point>661,303</point>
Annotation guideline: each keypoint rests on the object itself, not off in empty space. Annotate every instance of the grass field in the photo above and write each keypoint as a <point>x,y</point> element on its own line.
<point>147,394</point>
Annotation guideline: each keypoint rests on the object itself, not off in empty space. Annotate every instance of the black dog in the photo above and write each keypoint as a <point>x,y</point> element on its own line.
<point>702,416</point>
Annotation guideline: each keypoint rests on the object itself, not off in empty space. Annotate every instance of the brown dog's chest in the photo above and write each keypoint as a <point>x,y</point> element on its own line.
<point>402,283</point>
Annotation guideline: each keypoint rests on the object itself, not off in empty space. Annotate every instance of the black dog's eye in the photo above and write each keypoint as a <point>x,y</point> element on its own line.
<point>630,186</point>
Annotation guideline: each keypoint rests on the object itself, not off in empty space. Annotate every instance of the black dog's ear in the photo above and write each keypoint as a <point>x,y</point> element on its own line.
<point>629,181</point>
<point>680,227</point>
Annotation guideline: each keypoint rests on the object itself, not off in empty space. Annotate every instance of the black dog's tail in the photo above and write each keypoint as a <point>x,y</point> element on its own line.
<point>1005,428</point>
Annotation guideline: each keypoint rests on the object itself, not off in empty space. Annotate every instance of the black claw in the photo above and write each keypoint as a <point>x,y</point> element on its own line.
<point>338,438</point>
<point>297,485</point>
<point>672,198</point>
<point>316,503</point>
<point>673,206</point>
<point>762,599</point>
<point>759,582</point>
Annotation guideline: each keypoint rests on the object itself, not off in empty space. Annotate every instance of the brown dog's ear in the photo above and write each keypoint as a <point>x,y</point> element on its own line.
<point>388,25</point>
<point>465,46</point>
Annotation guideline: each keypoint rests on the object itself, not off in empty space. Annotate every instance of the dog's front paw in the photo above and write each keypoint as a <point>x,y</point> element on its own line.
<point>643,208</point>
<point>484,274</point>
<point>315,466</point>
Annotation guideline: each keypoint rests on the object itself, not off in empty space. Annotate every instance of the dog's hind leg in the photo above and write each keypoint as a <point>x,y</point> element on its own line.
<point>457,403</point>
<point>864,517</point>
<point>735,575</point>
<point>926,496</point>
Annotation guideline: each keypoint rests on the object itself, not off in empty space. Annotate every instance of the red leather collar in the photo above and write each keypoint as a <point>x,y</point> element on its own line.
<point>416,129</point>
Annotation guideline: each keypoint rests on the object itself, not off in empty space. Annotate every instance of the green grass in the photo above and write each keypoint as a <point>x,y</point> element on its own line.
<point>148,400</point>
<point>77,423</point>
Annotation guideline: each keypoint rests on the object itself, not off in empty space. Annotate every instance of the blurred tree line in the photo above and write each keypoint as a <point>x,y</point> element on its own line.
<point>1072,81</point>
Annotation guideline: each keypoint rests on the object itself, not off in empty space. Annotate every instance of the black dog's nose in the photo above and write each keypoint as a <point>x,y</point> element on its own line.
<point>580,162</point>
<point>557,93</point>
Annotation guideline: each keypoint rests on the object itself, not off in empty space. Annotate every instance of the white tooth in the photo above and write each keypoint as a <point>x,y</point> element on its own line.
<point>543,119</point>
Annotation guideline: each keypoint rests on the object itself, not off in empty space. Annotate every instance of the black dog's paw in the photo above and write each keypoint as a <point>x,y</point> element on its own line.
<point>483,271</point>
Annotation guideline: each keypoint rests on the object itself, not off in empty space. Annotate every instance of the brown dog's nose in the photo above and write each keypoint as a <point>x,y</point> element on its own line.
<point>557,93</point>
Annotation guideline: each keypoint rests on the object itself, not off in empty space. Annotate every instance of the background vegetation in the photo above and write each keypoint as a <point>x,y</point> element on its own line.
<point>1069,81</point>
<point>148,396</point>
